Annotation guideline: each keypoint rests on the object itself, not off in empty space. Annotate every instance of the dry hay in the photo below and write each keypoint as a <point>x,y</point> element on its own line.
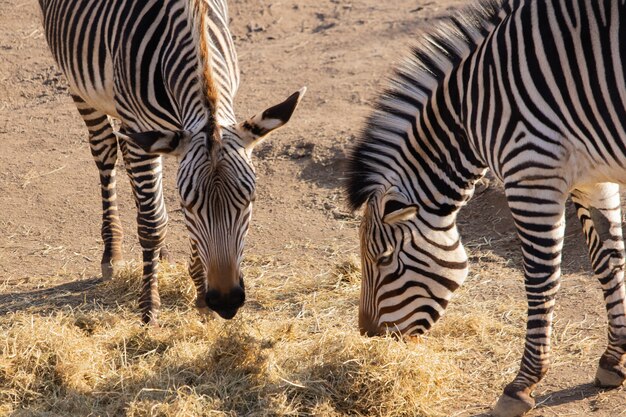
<point>293,350</point>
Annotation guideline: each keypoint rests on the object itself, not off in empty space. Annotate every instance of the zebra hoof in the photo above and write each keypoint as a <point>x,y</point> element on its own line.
<point>111,269</point>
<point>150,321</point>
<point>205,311</point>
<point>152,324</point>
<point>202,308</point>
<point>609,378</point>
<point>164,255</point>
<point>512,407</point>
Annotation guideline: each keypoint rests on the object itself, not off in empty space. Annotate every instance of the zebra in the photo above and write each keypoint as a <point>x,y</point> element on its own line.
<point>167,69</point>
<point>535,92</point>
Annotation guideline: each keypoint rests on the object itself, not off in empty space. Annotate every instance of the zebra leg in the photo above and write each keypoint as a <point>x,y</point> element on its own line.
<point>103,144</point>
<point>196,271</point>
<point>538,212</point>
<point>145,173</point>
<point>599,211</point>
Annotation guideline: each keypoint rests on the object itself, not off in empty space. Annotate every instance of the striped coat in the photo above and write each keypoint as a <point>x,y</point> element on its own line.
<point>535,91</point>
<point>167,69</point>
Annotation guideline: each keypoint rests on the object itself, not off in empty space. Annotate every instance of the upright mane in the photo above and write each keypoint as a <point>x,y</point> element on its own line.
<point>200,13</point>
<point>438,52</point>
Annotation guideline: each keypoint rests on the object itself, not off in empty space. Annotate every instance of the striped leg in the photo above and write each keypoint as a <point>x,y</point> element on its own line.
<point>196,271</point>
<point>538,212</point>
<point>599,211</point>
<point>145,173</point>
<point>103,144</point>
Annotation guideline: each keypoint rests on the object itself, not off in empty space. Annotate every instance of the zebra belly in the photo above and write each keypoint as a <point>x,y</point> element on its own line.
<point>589,162</point>
<point>603,173</point>
<point>100,101</point>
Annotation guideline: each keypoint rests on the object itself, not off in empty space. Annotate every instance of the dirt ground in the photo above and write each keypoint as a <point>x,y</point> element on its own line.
<point>342,51</point>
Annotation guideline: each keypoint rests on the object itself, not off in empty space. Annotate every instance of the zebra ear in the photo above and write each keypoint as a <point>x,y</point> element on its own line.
<point>158,142</point>
<point>397,211</point>
<point>256,128</point>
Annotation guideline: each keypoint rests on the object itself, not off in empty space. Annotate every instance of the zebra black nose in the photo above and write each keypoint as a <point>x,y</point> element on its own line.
<point>226,305</point>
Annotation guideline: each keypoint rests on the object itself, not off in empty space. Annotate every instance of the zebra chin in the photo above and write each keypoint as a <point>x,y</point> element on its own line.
<point>371,327</point>
<point>227,314</point>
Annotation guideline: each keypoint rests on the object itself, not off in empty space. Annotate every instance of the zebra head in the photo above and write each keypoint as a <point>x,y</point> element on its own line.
<point>216,183</point>
<point>412,261</point>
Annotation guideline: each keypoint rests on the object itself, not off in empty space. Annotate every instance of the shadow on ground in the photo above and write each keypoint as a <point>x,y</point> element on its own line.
<point>224,377</point>
<point>569,395</point>
<point>487,224</point>
<point>69,294</point>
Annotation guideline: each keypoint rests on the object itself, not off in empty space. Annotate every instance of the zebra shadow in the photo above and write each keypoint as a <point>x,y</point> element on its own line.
<point>222,378</point>
<point>48,299</point>
<point>325,167</point>
<point>486,225</point>
<point>564,396</point>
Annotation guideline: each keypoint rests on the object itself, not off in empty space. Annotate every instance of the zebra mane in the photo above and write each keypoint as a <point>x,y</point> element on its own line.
<point>439,51</point>
<point>200,13</point>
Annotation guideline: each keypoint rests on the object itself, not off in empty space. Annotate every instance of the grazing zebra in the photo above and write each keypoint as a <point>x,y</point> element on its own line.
<point>535,91</point>
<point>168,70</point>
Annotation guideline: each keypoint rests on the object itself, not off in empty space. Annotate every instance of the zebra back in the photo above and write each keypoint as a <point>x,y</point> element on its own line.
<point>107,50</point>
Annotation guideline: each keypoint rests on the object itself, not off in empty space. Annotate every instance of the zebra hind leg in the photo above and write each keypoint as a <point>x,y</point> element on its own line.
<point>538,211</point>
<point>599,211</point>
<point>103,144</point>
<point>145,173</point>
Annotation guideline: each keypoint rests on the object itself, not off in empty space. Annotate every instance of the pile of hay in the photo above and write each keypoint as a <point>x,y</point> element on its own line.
<point>293,350</point>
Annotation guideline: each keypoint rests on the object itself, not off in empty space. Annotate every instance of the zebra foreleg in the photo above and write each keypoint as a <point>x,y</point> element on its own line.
<point>196,271</point>
<point>103,145</point>
<point>145,173</point>
<point>599,211</point>
<point>539,218</point>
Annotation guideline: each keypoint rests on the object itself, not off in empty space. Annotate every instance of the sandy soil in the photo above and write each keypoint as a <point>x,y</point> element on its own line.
<point>341,50</point>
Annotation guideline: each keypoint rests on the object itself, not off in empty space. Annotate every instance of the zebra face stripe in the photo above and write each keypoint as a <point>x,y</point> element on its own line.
<point>410,266</point>
<point>216,185</point>
<point>217,189</point>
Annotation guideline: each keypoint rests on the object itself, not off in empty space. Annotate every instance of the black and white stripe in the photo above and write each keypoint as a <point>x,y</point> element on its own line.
<point>535,91</point>
<point>167,69</point>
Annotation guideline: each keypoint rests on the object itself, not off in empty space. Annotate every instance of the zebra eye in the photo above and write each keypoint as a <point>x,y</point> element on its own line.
<point>392,206</point>
<point>385,258</point>
<point>396,211</point>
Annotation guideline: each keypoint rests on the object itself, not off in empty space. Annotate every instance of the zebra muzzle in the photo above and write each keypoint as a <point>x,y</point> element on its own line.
<point>226,305</point>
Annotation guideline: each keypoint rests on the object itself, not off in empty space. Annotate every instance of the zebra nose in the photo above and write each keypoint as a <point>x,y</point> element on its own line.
<point>367,326</point>
<point>226,305</point>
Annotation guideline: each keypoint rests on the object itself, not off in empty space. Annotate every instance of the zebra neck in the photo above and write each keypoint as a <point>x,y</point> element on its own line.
<point>415,139</point>
<point>423,150</point>
<point>218,70</point>
<point>444,166</point>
